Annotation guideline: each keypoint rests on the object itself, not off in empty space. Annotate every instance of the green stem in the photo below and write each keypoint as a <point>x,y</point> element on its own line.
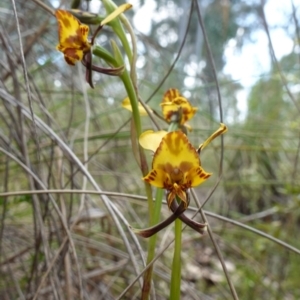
<point>105,55</point>
<point>138,127</point>
<point>152,245</point>
<point>116,61</point>
<point>173,126</point>
<point>133,101</point>
<point>176,265</point>
<point>137,121</point>
<point>122,36</point>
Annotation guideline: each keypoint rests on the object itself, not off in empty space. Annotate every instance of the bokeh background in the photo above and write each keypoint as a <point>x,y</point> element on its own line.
<point>239,64</point>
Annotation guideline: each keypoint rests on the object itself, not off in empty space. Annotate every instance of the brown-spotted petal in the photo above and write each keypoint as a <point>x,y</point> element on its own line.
<point>73,37</point>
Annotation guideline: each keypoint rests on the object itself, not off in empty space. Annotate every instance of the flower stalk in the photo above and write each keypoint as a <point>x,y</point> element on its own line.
<point>152,245</point>
<point>176,264</point>
<point>154,213</point>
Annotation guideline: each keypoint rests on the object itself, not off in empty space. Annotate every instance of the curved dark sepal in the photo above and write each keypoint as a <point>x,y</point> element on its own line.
<point>199,227</point>
<point>87,62</point>
<point>148,232</point>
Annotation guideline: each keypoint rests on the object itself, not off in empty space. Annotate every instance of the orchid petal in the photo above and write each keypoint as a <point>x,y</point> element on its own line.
<point>158,178</point>
<point>122,8</point>
<point>199,227</point>
<point>222,129</point>
<point>73,37</point>
<point>126,104</point>
<point>174,103</point>
<point>175,151</point>
<point>150,140</point>
<point>196,176</point>
<point>148,232</point>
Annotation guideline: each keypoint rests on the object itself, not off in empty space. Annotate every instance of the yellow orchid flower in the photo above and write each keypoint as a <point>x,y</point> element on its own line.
<point>175,105</point>
<point>126,104</point>
<point>176,167</point>
<point>73,37</point>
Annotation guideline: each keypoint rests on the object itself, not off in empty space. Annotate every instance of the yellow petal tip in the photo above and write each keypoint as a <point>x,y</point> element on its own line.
<point>119,10</point>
